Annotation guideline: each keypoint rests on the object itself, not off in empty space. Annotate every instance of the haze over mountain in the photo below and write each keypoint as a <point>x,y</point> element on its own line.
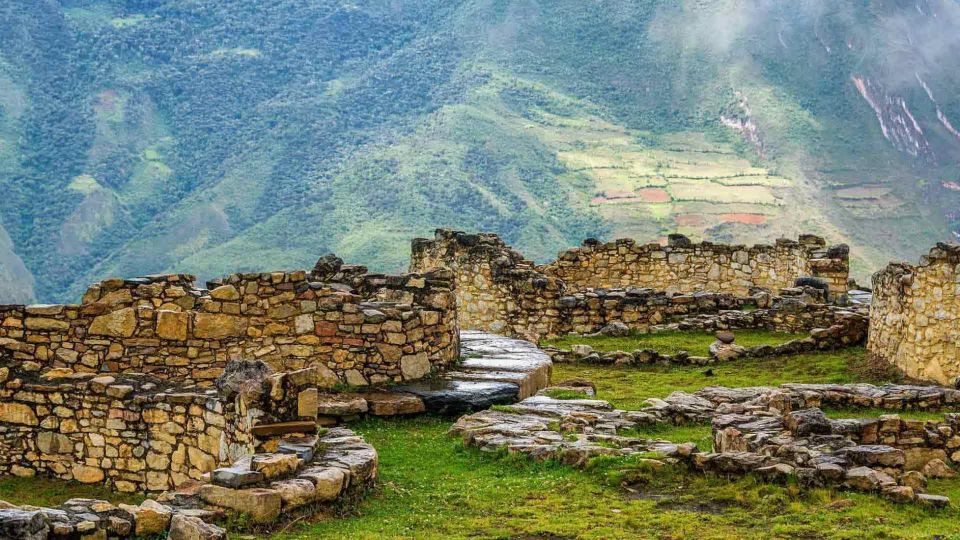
<point>145,136</point>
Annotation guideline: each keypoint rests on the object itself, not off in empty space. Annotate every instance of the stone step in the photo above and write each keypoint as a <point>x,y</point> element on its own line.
<point>282,428</point>
<point>456,397</point>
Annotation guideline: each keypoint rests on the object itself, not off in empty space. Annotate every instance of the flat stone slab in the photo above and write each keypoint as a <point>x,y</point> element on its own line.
<point>457,397</point>
<point>393,403</point>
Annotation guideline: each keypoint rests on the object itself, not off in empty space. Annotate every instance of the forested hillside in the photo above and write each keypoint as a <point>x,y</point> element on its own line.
<point>143,136</point>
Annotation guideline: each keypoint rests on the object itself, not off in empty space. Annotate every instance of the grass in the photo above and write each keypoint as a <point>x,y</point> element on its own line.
<point>695,343</point>
<point>627,388</point>
<point>39,491</point>
<point>431,487</point>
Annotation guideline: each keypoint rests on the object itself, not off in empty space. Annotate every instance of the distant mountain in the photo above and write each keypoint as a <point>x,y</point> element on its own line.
<point>143,136</point>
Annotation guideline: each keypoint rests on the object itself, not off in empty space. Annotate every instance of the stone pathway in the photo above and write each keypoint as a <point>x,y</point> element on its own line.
<point>773,432</point>
<point>494,370</point>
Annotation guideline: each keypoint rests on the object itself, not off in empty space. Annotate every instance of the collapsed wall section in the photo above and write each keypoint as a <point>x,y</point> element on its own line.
<point>915,316</point>
<point>375,329</point>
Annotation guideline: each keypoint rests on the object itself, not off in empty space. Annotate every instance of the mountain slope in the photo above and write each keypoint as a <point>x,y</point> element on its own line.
<point>148,136</point>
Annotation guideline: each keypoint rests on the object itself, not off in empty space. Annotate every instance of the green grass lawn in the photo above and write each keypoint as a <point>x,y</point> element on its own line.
<point>431,487</point>
<point>39,491</point>
<point>695,343</point>
<point>628,387</point>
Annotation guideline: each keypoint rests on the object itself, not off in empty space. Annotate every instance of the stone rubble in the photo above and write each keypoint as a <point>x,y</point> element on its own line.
<point>774,433</point>
<point>262,488</point>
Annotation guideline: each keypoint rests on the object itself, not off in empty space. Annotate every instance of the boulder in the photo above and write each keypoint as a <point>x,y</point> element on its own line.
<point>808,422</point>
<point>295,492</point>
<point>23,525</point>
<point>193,528</point>
<point>615,329</point>
<point>937,468</point>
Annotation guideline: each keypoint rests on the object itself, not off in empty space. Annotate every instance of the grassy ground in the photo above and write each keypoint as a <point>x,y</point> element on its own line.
<point>433,488</point>
<point>49,492</point>
<point>695,343</point>
<point>627,388</point>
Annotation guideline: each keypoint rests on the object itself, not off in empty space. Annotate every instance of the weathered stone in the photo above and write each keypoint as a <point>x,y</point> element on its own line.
<point>274,465</point>
<point>23,525</point>
<point>172,325</point>
<point>87,475</point>
<point>17,413</point>
<point>261,505</point>
<point>307,403</point>
<point>225,292</point>
<point>54,443</point>
<point>150,517</point>
<point>295,492</point>
<point>415,366</point>
<point>341,404</point>
<point>937,468</point>
<point>191,528</point>
<point>218,326</point>
<point>119,323</point>
<point>935,501</point>
<point>329,481</point>
<point>393,403</point>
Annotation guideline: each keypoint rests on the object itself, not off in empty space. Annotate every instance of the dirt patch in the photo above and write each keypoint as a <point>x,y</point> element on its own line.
<point>749,219</point>
<point>654,195</point>
<point>689,220</point>
<point>666,501</point>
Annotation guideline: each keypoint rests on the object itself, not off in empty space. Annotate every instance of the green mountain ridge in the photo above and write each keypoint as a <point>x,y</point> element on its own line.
<point>145,136</point>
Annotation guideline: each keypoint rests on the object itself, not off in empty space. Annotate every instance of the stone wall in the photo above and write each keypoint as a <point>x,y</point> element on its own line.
<point>373,329</point>
<point>124,432</point>
<point>685,267</point>
<point>499,291</point>
<point>915,316</point>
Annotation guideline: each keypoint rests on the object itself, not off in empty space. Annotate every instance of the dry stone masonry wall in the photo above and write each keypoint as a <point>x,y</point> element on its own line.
<point>376,329</point>
<point>685,267</point>
<point>499,291</point>
<point>915,316</point>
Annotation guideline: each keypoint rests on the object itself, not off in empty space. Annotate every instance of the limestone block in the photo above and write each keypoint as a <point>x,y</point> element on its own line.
<point>172,325</point>
<point>193,528</point>
<point>295,493</point>
<point>218,326</point>
<point>17,413</point>
<point>119,323</point>
<point>262,505</point>
<point>87,475</point>
<point>415,366</point>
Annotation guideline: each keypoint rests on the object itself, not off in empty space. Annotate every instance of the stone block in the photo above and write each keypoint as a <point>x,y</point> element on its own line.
<point>172,325</point>
<point>261,505</point>
<point>17,413</point>
<point>192,528</point>
<point>218,326</point>
<point>119,323</point>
